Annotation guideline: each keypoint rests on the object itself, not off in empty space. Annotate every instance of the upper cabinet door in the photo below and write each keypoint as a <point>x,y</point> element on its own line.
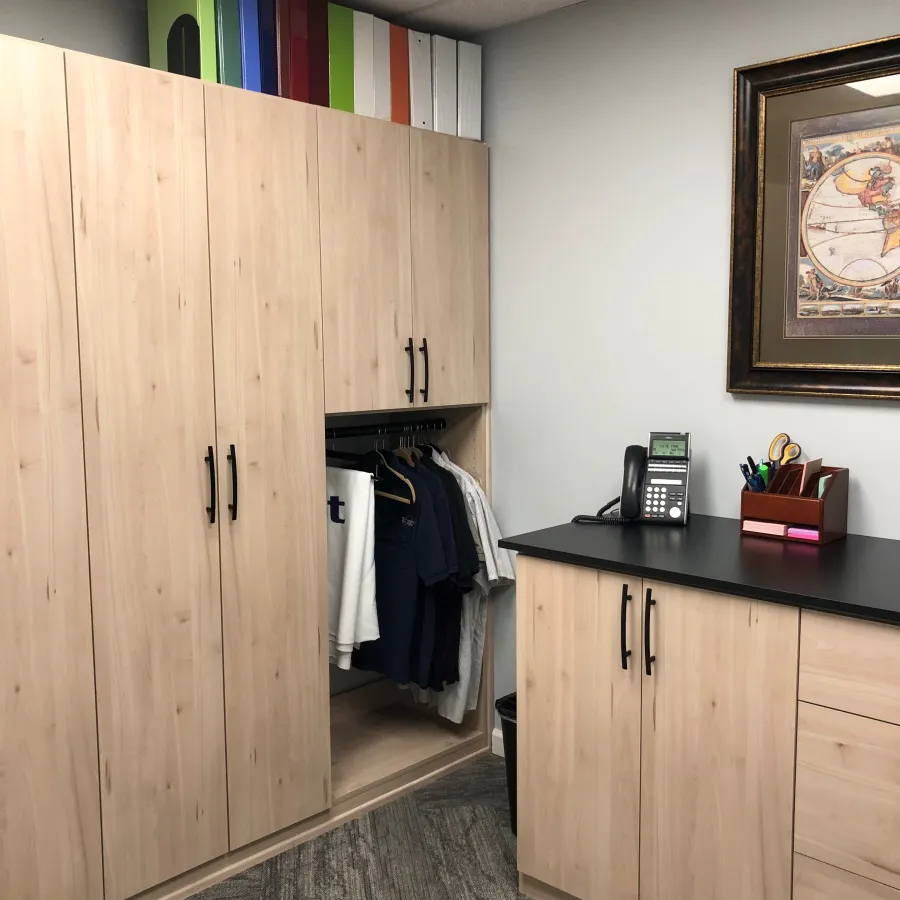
<point>451,313</point>
<point>264,254</point>
<point>49,790</point>
<point>366,299</point>
<point>717,765</point>
<point>141,247</point>
<point>579,729</point>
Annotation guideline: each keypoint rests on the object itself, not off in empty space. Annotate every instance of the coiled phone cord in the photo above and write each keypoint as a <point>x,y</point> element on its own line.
<point>600,518</point>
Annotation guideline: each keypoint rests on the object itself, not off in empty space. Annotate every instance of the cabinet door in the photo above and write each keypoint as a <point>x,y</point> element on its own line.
<point>366,299</point>
<point>717,763</point>
<point>450,267</point>
<point>579,727</point>
<point>49,790</point>
<point>267,325</point>
<point>141,248</point>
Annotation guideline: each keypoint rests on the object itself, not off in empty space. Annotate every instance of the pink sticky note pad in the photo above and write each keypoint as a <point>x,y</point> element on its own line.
<point>804,534</point>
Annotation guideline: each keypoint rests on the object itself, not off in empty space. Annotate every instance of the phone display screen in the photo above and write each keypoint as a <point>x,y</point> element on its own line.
<point>668,448</point>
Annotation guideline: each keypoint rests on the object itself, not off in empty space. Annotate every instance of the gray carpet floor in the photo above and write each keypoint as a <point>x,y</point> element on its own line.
<point>450,840</point>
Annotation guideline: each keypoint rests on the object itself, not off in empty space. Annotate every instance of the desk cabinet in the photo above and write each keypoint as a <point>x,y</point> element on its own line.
<point>579,721</point>
<point>701,745</point>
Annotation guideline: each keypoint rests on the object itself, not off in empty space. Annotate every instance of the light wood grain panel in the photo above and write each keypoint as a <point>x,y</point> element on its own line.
<point>370,746</point>
<point>848,792</point>
<point>537,890</point>
<point>366,269</point>
<point>342,811</point>
<point>450,263</point>
<point>269,398</point>
<point>814,880</point>
<point>717,767</point>
<point>579,727</point>
<point>49,788</point>
<point>141,246</point>
<point>850,665</point>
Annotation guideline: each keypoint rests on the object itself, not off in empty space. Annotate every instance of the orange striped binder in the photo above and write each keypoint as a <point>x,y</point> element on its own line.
<point>399,75</point>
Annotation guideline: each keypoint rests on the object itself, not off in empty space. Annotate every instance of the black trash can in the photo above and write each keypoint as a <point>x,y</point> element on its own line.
<point>506,709</point>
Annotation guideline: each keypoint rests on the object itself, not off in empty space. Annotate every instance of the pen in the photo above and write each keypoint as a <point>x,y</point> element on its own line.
<point>752,464</point>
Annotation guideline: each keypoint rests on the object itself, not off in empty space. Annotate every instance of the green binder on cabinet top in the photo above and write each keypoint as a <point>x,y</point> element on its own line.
<point>183,37</point>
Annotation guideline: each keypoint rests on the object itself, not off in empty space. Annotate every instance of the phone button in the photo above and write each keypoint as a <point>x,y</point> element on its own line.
<point>675,512</point>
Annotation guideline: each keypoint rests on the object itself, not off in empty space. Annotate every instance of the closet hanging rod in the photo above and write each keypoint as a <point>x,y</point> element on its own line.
<point>386,428</point>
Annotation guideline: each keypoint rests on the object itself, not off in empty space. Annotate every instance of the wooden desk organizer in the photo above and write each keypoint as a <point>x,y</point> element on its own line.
<point>828,514</point>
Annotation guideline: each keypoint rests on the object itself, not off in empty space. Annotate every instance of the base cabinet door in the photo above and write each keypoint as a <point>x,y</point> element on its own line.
<point>269,402</point>
<point>49,790</point>
<point>142,264</point>
<point>717,762</point>
<point>579,729</point>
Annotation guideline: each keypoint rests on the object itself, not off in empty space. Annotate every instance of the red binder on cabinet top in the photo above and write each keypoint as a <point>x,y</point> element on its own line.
<point>299,50</point>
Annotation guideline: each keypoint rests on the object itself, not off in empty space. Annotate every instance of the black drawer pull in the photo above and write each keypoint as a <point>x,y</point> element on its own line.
<point>411,350</point>
<point>211,462</point>
<point>233,506</point>
<point>424,351</point>
<point>625,651</point>
<point>647,657</point>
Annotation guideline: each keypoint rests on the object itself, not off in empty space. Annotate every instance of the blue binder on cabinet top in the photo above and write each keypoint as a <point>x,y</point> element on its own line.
<point>250,64</point>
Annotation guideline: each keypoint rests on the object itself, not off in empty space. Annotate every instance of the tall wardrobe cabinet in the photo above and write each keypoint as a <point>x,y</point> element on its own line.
<point>202,376</point>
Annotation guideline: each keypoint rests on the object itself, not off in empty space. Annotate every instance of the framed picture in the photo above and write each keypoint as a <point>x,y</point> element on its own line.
<point>815,275</point>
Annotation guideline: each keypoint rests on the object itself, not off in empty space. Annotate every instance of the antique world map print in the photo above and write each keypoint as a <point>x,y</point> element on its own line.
<point>848,240</point>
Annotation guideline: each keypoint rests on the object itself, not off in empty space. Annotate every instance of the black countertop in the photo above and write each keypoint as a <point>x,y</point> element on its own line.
<point>858,576</point>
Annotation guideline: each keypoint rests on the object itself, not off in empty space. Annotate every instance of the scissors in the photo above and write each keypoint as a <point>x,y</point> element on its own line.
<point>782,450</point>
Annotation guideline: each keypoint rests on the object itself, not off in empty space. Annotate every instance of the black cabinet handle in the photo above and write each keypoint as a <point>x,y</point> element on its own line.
<point>211,509</point>
<point>424,351</point>
<point>232,458</point>
<point>411,350</point>
<point>647,657</point>
<point>625,598</point>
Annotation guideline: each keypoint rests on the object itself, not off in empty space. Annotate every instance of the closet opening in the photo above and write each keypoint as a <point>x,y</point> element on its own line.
<point>383,731</point>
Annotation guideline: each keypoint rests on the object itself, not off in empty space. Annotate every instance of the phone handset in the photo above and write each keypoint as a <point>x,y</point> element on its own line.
<point>630,499</point>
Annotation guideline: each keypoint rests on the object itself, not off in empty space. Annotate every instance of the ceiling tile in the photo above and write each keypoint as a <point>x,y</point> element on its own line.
<point>459,17</point>
<point>481,15</point>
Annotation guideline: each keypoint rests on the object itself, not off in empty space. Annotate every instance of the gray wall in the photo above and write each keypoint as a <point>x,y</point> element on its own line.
<point>610,127</point>
<point>114,28</point>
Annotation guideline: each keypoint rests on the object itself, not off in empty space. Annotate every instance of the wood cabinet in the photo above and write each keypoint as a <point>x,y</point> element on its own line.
<point>266,299</point>
<point>579,727</point>
<point>850,665</point>
<point>49,789</point>
<point>366,268</point>
<point>717,747</point>
<point>848,792</point>
<point>685,790</point>
<point>141,246</point>
<point>814,880</point>
<point>451,268</point>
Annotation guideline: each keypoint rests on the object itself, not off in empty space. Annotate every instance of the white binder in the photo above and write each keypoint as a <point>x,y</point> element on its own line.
<point>421,108</point>
<point>469,99</point>
<point>382,67</point>
<point>363,64</point>
<point>444,84</point>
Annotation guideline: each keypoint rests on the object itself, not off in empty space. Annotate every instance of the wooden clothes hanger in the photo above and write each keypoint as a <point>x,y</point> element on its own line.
<point>395,473</point>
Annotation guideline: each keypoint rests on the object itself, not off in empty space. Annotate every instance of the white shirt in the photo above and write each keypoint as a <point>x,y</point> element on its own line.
<point>352,615</point>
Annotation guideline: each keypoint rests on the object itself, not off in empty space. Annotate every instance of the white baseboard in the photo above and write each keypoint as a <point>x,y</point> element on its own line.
<point>497,742</point>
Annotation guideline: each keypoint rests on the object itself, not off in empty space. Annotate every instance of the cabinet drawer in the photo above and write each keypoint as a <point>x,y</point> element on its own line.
<point>848,793</point>
<point>851,665</point>
<point>814,880</point>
